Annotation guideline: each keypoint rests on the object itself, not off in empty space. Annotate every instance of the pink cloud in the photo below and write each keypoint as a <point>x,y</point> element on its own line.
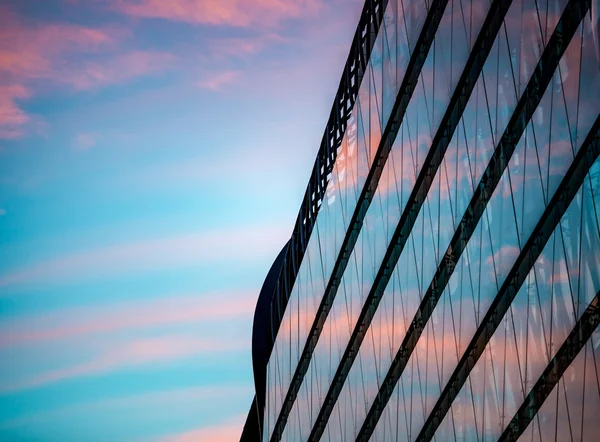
<point>30,51</point>
<point>502,260</point>
<point>224,432</point>
<point>227,47</point>
<point>117,70</point>
<point>133,353</point>
<point>561,275</point>
<point>188,396</point>
<point>61,53</point>
<point>12,118</point>
<point>80,322</point>
<point>85,140</point>
<point>234,245</point>
<point>237,13</point>
<point>216,82</point>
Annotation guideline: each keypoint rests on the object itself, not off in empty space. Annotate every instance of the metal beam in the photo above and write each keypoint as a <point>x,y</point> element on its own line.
<point>360,52</point>
<point>492,175</point>
<point>554,371</point>
<point>442,138</point>
<point>405,92</point>
<point>556,208</point>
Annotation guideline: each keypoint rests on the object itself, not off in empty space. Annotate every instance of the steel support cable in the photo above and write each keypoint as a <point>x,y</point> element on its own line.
<point>405,92</point>
<point>581,333</point>
<point>448,124</point>
<point>492,175</point>
<point>557,206</point>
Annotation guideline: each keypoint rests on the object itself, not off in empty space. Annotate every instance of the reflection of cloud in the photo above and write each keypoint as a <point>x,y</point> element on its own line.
<point>220,12</point>
<point>132,353</point>
<point>191,249</point>
<point>224,432</point>
<point>2,212</point>
<point>80,322</point>
<point>502,260</point>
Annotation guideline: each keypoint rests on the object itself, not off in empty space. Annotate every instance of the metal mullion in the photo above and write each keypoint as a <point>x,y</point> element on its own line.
<point>433,160</point>
<point>361,48</point>
<point>403,98</point>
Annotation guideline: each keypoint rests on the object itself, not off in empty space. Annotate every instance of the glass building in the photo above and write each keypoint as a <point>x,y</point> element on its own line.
<point>442,280</point>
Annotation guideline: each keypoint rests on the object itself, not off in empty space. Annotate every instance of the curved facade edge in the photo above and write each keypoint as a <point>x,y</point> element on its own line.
<point>262,344</point>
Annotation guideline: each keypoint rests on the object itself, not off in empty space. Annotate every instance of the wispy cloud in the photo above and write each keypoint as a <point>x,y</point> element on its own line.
<point>227,47</point>
<point>132,353</point>
<point>116,70</point>
<point>81,322</point>
<point>224,432</point>
<point>233,245</point>
<point>216,81</point>
<point>36,55</point>
<point>192,396</point>
<point>30,51</point>
<point>12,118</point>
<point>85,140</point>
<point>238,13</point>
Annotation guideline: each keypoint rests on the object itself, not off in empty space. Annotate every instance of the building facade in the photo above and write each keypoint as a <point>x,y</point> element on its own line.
<point>442,280</point>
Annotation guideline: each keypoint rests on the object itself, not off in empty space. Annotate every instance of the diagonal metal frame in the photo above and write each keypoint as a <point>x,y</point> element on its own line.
<point>448,124</point>
<point>341,111</point>
<point>354,70</point>
<point>531,97</point>
<point>405,92</point>
<point>557,206</point>
<point>567,353</point>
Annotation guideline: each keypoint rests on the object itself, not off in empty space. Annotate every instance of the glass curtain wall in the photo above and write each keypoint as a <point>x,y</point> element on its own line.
<point>556,292</point>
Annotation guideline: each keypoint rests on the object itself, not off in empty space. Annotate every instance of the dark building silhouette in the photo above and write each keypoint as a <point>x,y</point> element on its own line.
<point>442,279</point>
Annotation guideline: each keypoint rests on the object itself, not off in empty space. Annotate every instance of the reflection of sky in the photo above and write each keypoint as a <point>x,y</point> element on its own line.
<point>561,122</point>
<point>152,160</point>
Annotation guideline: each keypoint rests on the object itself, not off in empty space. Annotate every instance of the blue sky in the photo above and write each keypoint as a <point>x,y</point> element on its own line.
<point>153,156</point>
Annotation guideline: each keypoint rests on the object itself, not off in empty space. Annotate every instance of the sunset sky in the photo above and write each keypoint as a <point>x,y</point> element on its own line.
<point>153,156</point>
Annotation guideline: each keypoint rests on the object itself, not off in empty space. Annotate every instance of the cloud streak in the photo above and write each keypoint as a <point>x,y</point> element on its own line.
<point>12,118</point>
<point>236,13</point>
<point>188,397</point>
<point>82,322</point>
<point>217,81</point>
<point>224,432</point>
<point>116,70</point>
<point>38,56</point>
<point>232,245</point>
<point>129,354</point>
